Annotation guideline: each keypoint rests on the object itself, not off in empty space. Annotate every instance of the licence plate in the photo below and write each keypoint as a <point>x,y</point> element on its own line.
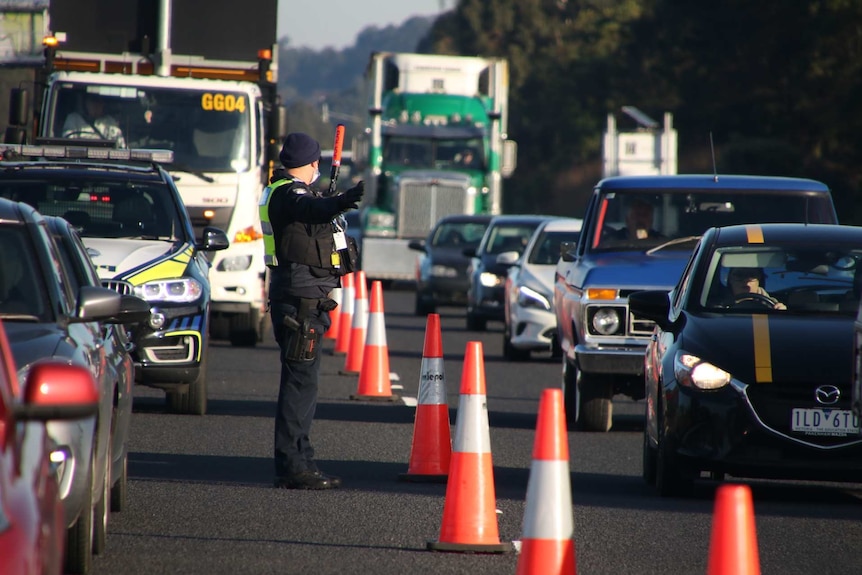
<point>825,421</point>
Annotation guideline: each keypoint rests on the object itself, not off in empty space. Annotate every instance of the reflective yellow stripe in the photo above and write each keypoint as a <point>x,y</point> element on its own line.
<point>762,350</point>
<point>754,233</point>
<point>172,267</point>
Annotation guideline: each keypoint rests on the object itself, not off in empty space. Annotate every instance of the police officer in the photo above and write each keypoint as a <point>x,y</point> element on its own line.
<point>307,252</point>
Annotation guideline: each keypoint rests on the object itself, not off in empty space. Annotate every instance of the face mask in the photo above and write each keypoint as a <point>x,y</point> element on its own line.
<point>315,176</point>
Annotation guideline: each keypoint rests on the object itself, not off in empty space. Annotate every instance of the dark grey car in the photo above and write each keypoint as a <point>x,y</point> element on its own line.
<point>441,272</point>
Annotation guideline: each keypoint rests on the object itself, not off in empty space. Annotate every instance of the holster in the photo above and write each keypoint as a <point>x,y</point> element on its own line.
<point>301,338</point>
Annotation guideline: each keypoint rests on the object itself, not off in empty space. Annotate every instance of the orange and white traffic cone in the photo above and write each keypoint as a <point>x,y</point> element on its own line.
<point>733,542</point>
<point>432,443</point>
<point>469,512</point>
<point>547,547</point>
<point>374,372</point>
<point>342,344</point>
<point>335,317</point>
<point>359,326</point>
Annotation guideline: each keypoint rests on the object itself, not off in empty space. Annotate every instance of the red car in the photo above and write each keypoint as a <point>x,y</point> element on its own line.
<point>32,523</point>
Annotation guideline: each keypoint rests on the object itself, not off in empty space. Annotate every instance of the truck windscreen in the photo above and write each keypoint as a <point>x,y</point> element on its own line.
<point>208,131</point>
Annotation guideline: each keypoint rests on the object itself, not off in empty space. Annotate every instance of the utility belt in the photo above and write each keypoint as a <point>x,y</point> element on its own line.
<point>302,339</point>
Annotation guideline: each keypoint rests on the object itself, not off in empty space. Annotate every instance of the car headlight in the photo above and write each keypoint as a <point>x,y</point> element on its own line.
<point>443,271</point>
<point>606,321</point>
<point>180,290</point>
<point>528,297</point>
<point>488,279</point>
<point>234,264</point>
<point>691,371</point>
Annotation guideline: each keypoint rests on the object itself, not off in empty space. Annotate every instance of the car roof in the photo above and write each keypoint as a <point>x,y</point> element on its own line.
<point>92,169</point>
<point>10,211</point>
<point>712,183</point>
<point>469,218</point>
<point>767,234</point>
<point>517,219</point>
<point>562,225</point>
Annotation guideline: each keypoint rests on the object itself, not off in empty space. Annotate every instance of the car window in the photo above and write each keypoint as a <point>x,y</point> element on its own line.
<point>509,238</point>
<point>809,279</point>
<point>640,220</point>
<point>546,250</point>
<point>21,290</point>
<point>458,234</point>
<point>99,207</point>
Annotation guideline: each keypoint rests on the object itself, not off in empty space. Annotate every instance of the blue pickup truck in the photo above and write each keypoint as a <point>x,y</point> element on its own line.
<point>638,234</point>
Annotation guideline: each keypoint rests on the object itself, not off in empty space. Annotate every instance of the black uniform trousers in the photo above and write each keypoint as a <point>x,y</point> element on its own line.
<point>297,396</point>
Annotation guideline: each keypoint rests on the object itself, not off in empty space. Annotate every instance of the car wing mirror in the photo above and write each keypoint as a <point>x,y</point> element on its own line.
<point>133,309</point>
<point>567,251</point>
<point>653,305</point>
<point>469,252</point>
<point>214,239</point>
<point>418,245</point>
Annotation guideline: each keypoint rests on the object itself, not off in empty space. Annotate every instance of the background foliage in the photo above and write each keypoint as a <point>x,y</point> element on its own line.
<point>774,84</point>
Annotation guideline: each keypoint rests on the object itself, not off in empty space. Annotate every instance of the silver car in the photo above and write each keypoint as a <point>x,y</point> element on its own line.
<point>530,323</point>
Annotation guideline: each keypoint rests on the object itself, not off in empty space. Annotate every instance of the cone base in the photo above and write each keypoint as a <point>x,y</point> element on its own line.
<point>422,478</point>
<point>336,352</point>
<point>469,548</point>
<point>375,397</point>
<point>348,372</point>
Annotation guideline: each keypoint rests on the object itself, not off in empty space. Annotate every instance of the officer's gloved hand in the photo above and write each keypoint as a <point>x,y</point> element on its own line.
<point>352,197</point>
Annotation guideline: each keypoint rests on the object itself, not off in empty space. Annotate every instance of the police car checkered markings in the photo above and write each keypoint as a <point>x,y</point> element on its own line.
<point>825,421</point>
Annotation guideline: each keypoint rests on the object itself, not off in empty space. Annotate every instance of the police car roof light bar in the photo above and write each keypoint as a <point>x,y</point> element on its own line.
<point>54,151</point>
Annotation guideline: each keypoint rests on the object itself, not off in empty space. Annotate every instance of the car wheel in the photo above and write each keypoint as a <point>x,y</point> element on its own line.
<point>570,394</point>
<point>79,538</point>
<point>595,401</point>
<point>556,350</point>
<point>671,478</point>
<point>102,511</point>
<point>510,352</point>
<point>475,323</point>
<point>193,400</point>
<point>244,328</point>
<point>120,488</point>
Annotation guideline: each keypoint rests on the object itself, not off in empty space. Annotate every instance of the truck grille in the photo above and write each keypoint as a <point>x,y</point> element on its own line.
<point>422,203</point>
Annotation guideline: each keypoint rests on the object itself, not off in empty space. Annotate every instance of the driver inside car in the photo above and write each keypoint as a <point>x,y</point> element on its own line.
<point>747,283</point>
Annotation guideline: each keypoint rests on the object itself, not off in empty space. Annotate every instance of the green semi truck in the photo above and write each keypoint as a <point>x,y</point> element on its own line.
<point>435,145</point>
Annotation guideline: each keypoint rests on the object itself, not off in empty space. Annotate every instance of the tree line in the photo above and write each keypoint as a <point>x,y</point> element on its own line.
<point>772,85</point>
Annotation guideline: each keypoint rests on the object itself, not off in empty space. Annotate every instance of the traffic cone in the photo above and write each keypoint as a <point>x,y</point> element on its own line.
<point>469,512</point>
<point>359,326</point>
<point>547,546</point>
<point>374,371</point>
<point>432,444</point>
<point>733,543</point>
<point>335,317</point>
<point>342,344</point>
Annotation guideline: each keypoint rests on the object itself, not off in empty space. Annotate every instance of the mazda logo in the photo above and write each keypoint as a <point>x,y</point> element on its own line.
<point>827,394</point>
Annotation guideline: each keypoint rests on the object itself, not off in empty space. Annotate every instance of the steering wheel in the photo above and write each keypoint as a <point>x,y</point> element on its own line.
<point>756,298</point>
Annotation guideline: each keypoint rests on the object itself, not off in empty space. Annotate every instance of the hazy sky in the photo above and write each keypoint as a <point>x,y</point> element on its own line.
<point>318,24</point>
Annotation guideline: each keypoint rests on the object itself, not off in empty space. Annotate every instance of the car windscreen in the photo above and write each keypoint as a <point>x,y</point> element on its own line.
<point>458,234</point>
<point>102,208</point>
<point>806,279</point>
<point>643,220</point>
<point>546,250</point>
<point>509,238</point>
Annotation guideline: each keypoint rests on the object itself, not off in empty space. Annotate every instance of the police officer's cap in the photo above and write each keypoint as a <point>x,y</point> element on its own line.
<point>299,150</point>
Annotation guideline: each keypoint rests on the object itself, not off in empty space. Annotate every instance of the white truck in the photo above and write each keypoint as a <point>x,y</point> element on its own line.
<point>220,117</point>
<point>435,145</point>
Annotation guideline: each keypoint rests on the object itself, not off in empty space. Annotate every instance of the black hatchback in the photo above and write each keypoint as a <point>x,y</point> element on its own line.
<point>441,272</point>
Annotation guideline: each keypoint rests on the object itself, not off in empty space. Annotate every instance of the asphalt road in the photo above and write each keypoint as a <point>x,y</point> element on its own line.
<point>201,501</point>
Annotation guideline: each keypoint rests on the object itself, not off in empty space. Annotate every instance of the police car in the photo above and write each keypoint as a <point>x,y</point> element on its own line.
<point>129,214</point>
